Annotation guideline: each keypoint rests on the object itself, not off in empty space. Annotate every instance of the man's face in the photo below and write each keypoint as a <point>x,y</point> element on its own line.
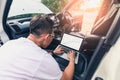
<point>48,40</point>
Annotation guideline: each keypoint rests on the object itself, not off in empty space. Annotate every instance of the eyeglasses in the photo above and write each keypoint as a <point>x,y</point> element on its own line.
<point>52,35</point>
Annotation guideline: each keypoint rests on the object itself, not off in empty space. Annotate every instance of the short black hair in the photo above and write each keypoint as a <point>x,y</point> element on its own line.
<point>40,25</point>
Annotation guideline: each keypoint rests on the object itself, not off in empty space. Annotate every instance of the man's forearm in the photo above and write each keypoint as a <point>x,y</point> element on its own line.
<point>69,71</point>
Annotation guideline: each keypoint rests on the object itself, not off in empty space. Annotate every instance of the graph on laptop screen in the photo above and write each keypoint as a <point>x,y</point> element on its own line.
<point>72,41</point>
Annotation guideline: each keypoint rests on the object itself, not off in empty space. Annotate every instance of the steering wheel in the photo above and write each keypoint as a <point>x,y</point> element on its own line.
<point>67,17</point>
<point>66,21</point>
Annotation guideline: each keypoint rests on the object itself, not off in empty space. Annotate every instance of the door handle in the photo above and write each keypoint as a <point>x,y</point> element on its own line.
<point>99,78</point>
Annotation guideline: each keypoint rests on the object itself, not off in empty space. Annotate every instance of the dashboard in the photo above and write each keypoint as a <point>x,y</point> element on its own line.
<point>19,27</point>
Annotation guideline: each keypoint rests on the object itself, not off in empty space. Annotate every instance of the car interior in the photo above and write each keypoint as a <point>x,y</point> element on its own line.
<point>19,27</point>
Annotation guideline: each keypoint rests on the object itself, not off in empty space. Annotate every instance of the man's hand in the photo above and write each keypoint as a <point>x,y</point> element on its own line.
<point>71,55</point>
<point>58,51</point>
<point>69,70</point>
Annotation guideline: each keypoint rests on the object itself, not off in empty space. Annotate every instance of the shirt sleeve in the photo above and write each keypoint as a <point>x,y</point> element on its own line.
<point>48,69</point>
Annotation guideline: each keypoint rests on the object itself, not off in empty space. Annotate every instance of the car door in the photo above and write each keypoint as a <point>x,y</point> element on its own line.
<point>109,68</point>
<point>3,35</point>
<point>106,56</point>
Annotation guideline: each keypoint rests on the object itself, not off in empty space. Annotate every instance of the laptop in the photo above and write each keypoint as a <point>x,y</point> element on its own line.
<point>70,42</point>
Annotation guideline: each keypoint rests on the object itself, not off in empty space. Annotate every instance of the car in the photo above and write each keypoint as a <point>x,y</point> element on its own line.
<point>99,57</point>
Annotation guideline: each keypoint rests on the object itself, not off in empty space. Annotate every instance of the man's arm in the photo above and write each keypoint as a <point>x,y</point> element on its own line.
<point>57,51</point>
<point>69,70</point>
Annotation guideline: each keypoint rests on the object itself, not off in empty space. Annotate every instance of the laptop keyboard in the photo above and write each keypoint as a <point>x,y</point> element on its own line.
<point>66,50</point>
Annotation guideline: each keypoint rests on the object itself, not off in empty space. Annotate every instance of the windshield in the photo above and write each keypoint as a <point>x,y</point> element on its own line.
<point>80,14</point>
<point>27,8</point>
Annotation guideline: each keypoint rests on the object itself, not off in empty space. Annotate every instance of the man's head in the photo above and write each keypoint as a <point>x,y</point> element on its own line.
<point>41,31</point>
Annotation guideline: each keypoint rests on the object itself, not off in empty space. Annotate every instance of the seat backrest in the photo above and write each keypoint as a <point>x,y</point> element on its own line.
<point>106,5</point>
<point>102,25</point>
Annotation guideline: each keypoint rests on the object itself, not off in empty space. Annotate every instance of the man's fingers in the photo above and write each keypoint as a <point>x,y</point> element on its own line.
<point>71,51</point>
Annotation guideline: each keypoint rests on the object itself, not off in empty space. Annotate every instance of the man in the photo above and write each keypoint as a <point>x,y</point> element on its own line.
<point>24,58</point>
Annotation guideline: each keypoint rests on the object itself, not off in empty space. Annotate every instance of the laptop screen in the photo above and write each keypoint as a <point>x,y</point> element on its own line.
<point>71,41</point>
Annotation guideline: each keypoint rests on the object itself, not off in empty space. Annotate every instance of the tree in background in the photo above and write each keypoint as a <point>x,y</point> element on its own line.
<point>55,5</point>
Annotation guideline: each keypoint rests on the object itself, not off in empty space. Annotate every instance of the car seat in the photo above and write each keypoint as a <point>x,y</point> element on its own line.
<point>100,28</point>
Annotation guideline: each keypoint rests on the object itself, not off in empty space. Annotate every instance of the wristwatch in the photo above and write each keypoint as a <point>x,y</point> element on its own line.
<point>52,52</point>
